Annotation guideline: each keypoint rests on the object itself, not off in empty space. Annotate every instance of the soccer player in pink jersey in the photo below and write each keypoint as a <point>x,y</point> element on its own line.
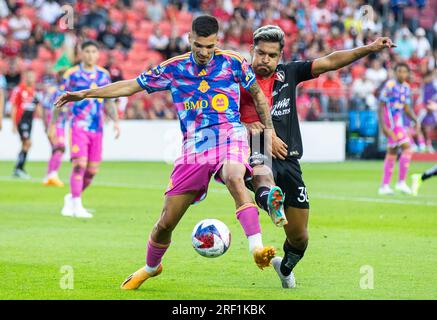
<point>205,86</point>
<point>57,136</point>
<point>395,99</point>
<point>86,126</point>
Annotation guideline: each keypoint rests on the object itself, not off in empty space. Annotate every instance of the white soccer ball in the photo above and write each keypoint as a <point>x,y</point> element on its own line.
<point>211,238</point>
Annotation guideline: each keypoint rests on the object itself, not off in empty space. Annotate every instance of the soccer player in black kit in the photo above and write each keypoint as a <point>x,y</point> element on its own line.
<point>278,82</point>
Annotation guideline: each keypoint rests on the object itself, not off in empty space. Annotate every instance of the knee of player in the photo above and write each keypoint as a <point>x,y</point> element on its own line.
<point>299,239</point>
<point>27,144</point>
<point>79,166</point>
<point>92,170</point>
<point>235,181</point>
<point>164,226</point>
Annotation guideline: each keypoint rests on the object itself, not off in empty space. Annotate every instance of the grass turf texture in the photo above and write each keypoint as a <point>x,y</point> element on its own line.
<point>350,227</point>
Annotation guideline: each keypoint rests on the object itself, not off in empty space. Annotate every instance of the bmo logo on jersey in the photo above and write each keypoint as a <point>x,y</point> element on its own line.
<point>193,105</point>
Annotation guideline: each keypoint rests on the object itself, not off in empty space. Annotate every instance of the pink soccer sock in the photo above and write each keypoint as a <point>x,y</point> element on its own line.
<point>155,252</point>
<point>389,164</point>
<point>55,162</point>
<point>248,216</point>
<point>404,164</point>
<point>76,180</point>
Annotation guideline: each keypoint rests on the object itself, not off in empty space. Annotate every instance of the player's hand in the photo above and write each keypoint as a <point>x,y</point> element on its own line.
<point>381,43</point>
<point>279,148</point>
<point>68,97</point>
<point>51,132</point>
<point>116,130</point>
<point>254,128</point>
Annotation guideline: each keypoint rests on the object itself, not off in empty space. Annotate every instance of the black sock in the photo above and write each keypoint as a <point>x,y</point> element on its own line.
<point>291,257</point>
<point>429,173</point>
<point>21,160</point>
<point>261,197</point>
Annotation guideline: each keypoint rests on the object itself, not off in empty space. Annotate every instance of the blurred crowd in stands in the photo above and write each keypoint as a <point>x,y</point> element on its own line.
<point>45,35</point>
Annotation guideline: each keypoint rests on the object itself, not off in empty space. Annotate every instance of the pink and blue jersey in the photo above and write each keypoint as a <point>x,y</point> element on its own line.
<point>395,96</point>
<point>206,97</point>
<point>88,113</point>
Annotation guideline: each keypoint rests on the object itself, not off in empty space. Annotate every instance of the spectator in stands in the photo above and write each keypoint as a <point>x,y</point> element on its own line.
<point>49,11</point>
<point>29,49</point>
<point>363,90</point>
<point>421,43</point>
<point>176,44</point>
<point>108,37</point>
<point>38,35</point>
<point>376,73</point>
<point>308,107</point>
<point>333,95</point>
<point>405,45</point>
<point>155,11</point>
<point>114,70</point>
<point>11,47</point>
<point>54,38</point>
<point>4,9</point>
<point>124,38</point>
<point>13,75</point>
<point>20,26</point>
<point>96,18</point>
<point>158,41</point>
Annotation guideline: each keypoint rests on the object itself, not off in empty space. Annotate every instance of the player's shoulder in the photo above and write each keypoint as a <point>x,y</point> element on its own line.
<point>390,83</point>
<point>175,60</point>
<point>103,70</point>
<point>69,72</point>
<point>230,54</point>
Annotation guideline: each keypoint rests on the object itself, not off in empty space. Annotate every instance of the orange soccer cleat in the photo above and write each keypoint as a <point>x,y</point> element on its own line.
<point>136,279</point>
<point>263,256</point>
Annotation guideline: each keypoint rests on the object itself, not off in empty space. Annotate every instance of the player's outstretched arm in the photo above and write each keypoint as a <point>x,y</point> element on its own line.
<point>339,59</point>
<point>114,90</point>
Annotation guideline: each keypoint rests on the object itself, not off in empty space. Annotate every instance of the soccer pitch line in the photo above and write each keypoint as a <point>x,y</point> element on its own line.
<point>418,201</point>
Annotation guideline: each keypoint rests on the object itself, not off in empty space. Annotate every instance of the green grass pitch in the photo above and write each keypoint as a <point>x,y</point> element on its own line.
<point>351,230</point>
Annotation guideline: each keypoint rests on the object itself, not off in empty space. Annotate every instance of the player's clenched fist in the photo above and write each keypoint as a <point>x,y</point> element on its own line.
<point>381,43</point>
<point>68,97</point>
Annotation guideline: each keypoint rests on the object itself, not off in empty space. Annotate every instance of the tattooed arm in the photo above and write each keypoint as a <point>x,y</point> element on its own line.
<point>278,147</point>
<point>261,105</point>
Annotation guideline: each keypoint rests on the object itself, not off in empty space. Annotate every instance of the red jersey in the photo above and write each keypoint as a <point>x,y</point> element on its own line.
<point>25,99</point>
<point>247,106</point>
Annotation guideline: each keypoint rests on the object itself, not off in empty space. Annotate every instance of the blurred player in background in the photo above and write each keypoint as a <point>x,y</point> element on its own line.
<point>419,178</point>
<point>278,82</point>
<point>205,88</point>
<point>86,126</point>
<point>25,102</point>
<point>56,137</point>
<point>428,115</point>
<point>395,99</point>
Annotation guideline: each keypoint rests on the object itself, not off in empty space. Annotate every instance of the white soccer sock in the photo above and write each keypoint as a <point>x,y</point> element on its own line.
<point>77,202</point>
<point>53,174</point>
<point>151,270</point>
<point>255,240</point>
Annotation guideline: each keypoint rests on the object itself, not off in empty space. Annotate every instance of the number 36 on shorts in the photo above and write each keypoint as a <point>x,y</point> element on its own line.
<point>303,195</point>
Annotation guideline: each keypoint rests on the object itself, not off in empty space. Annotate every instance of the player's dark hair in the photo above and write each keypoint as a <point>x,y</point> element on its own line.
<point>88,43</point>
<point>402,64</point>
<point>205,26</point>
<point>269,33</point>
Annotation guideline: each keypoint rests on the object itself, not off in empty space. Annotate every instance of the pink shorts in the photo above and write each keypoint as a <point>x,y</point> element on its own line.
<point>192,172</point>
<point>401,137</point>
<point>86,144</point>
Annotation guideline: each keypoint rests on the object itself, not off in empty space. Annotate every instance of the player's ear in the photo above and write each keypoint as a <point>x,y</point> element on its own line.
<point>251,49</point>
<point>190,37</point>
